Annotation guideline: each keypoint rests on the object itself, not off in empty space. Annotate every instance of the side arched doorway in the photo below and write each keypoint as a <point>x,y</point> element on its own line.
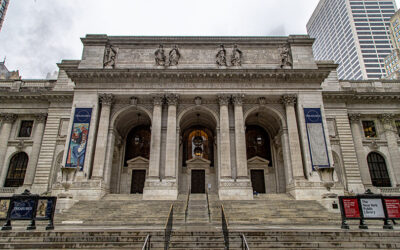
<point>16,170</point>
<point>264,151</point>
<point>198,152</point>
<point>378,170</point>
<point>130,162</point>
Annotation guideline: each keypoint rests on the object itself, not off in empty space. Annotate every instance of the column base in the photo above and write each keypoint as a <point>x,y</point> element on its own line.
<point>240,189</point>
<point>160,190</point>
<point>306,190</point>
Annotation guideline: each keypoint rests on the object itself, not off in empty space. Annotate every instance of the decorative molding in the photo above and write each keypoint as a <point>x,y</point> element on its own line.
<point>174,56</point>
<point>387,118</point>
<point>8,117</point>
<point>262,100</point>
<point>224,99</point>
<point>238,99</point>
<point>159,56</point>
<point>220,57</point>
<point>110,56</point>
<point>41,117</point>
<point>289,99</point>
<point>172,99</point>
<point>158,100</point>
<point>133,101</point>
<point>236,57</point>
<point>354,117</point>
<point>106,99</point>
<point>198,100</point>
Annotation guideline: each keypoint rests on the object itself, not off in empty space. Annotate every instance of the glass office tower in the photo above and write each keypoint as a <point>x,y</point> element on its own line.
<point>3,10</point>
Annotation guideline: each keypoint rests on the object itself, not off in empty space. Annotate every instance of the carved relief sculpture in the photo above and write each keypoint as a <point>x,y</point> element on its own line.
<point>236,58</point>
<point>221,56</point>
<point>174,56</point>
<point>286,57</point>
<point>109,56</point>
<point>160,56</point>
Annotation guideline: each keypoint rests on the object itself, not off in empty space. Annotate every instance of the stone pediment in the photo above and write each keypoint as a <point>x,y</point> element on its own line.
<point>198,160</point>
<point>137,160</point>
<point>258,160</point>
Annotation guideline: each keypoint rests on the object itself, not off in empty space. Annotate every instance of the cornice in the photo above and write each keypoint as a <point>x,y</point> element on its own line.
<point>59,97</point>
<point>356,96</point>
<point>196,75</point>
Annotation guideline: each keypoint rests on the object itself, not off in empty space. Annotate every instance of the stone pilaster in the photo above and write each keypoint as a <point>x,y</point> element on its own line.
<point>240,138</point>
<point>34,155</point>
<point>155,144</point>
<point>102,136</point>
<point>391,137</point>
<point>356,130</point>
<point>7,120</point>
<point>170,157</point>
<point>293,136</point>
<point>108,162</point>
<point>225,168</point>
<point>286,156</point>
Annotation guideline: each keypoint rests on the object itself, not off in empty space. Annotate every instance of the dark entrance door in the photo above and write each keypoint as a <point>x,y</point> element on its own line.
<point>138,178</point>
<point>198,182</point>
<point>257,181</point>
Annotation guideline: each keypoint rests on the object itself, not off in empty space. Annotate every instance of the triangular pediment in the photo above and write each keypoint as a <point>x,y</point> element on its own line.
<point>137,160</point>
<point>258,160</point>
<point>198,160</point>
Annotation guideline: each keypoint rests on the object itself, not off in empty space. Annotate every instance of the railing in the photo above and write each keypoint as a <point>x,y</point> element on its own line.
<point>146,245</point>
<point>208,207</point>
<point>168,228</point>
<point>225,228</point>
<point>390,190</point>
<point>245,246</point>
<point>187,205</point>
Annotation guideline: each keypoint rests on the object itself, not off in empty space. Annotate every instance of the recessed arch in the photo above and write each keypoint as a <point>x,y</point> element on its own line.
<point>269,118</point>
<point>207,117</point>
<point>129,117</point>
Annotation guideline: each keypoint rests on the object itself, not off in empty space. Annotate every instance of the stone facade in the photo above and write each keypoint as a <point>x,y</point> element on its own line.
<point>162,87</point>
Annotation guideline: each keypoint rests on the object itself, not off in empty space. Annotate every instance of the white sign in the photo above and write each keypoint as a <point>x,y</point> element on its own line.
<point>372,208</point>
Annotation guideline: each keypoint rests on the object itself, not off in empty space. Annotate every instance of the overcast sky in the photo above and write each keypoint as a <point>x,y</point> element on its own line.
<point>37,34</point>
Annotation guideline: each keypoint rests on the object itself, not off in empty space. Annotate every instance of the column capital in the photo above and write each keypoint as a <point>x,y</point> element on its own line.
<point>106,99</point>
<point>8,117</point>
<point>224,99</point>
<point>289,99</point>
<point>238,99</point>
<point>354,117</point>
<point>158,99</point>
<point>41,117</point>
<point>172,99</point>
<point>386,118</point>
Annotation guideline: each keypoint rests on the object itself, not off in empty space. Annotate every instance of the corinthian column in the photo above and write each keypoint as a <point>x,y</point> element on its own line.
<point>170,158</point>
<point>293,134</point>
<point>226,171</point>
<point>155,144</point>
<point>240,138</point>
<point>358,144</point>
<point>102,136</point>
<point>34,155</point>
<point>7,120</point>
<point>391,137</point>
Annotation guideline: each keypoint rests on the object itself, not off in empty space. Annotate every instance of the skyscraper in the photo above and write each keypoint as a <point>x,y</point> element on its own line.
<point>392,61</point>
<point>353,33</point>
<point>3,10</point>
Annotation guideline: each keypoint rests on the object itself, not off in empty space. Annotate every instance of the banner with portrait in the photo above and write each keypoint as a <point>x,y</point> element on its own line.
<point>79,137</point>
<point>316,138</point>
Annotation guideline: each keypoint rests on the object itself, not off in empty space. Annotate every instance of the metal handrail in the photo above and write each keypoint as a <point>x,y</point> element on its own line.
<point>168,227</point>
<point>245,246</point>
<point>208,207</point>
<point>187,205</point>
<point>225,228</point>
<point>146,245</point>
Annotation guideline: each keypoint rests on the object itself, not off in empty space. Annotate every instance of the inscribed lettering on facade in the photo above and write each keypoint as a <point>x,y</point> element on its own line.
<point>316,138</point>
<point>79,137</point>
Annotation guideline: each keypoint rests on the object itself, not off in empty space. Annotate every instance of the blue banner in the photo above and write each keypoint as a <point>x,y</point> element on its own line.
<point>22,209</point>
<point>316,138</point>
<point>79,137</point>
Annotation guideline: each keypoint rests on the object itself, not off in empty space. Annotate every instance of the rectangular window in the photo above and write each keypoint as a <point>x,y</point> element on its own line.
<point>369,129</point>
<point>26,129</point>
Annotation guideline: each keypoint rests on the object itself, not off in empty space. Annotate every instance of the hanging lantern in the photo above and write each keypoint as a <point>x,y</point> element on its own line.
<point>259,140</point>
<point>198,151</point>
<point>198,140</point>
<point>137,140</point>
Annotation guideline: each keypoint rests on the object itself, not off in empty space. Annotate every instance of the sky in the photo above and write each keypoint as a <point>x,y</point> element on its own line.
<point>37,34</point>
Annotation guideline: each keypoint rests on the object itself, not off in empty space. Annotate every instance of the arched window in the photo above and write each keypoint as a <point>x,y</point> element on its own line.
<point>378,170</point>
<point>16,170</point>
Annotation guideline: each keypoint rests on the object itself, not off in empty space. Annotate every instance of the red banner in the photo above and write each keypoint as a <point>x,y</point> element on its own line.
<point>351,209</point>
<point>392,207</point>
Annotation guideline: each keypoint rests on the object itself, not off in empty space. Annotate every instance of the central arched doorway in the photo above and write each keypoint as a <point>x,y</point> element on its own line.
<point>264,151</point>
<point>130,164</point>
<point>197,151</point>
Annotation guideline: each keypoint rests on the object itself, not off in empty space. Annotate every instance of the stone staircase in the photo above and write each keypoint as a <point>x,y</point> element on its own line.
<point>197,209</point>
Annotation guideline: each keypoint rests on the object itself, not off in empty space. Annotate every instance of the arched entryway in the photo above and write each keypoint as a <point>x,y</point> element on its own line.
<point>197,151</point>
<point>264,151</point>
<point>378,170</point>
<point>16,170</point>
<point>130,162</point>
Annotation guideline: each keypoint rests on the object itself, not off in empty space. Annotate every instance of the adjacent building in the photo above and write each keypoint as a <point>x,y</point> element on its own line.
<point>3,10</point>
<point>392,64</point>
<point>163,116</point>
<point>353,33</point>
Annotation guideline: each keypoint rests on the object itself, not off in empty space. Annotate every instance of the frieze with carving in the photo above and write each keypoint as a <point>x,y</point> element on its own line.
<point>160,57</point>
<point>354,117</point>
<point>8,117</point>
<point>236,58</point>
<point>221,56</point>
<point>289,99</point>
<point>174,56</point>
<point>286,56</point>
